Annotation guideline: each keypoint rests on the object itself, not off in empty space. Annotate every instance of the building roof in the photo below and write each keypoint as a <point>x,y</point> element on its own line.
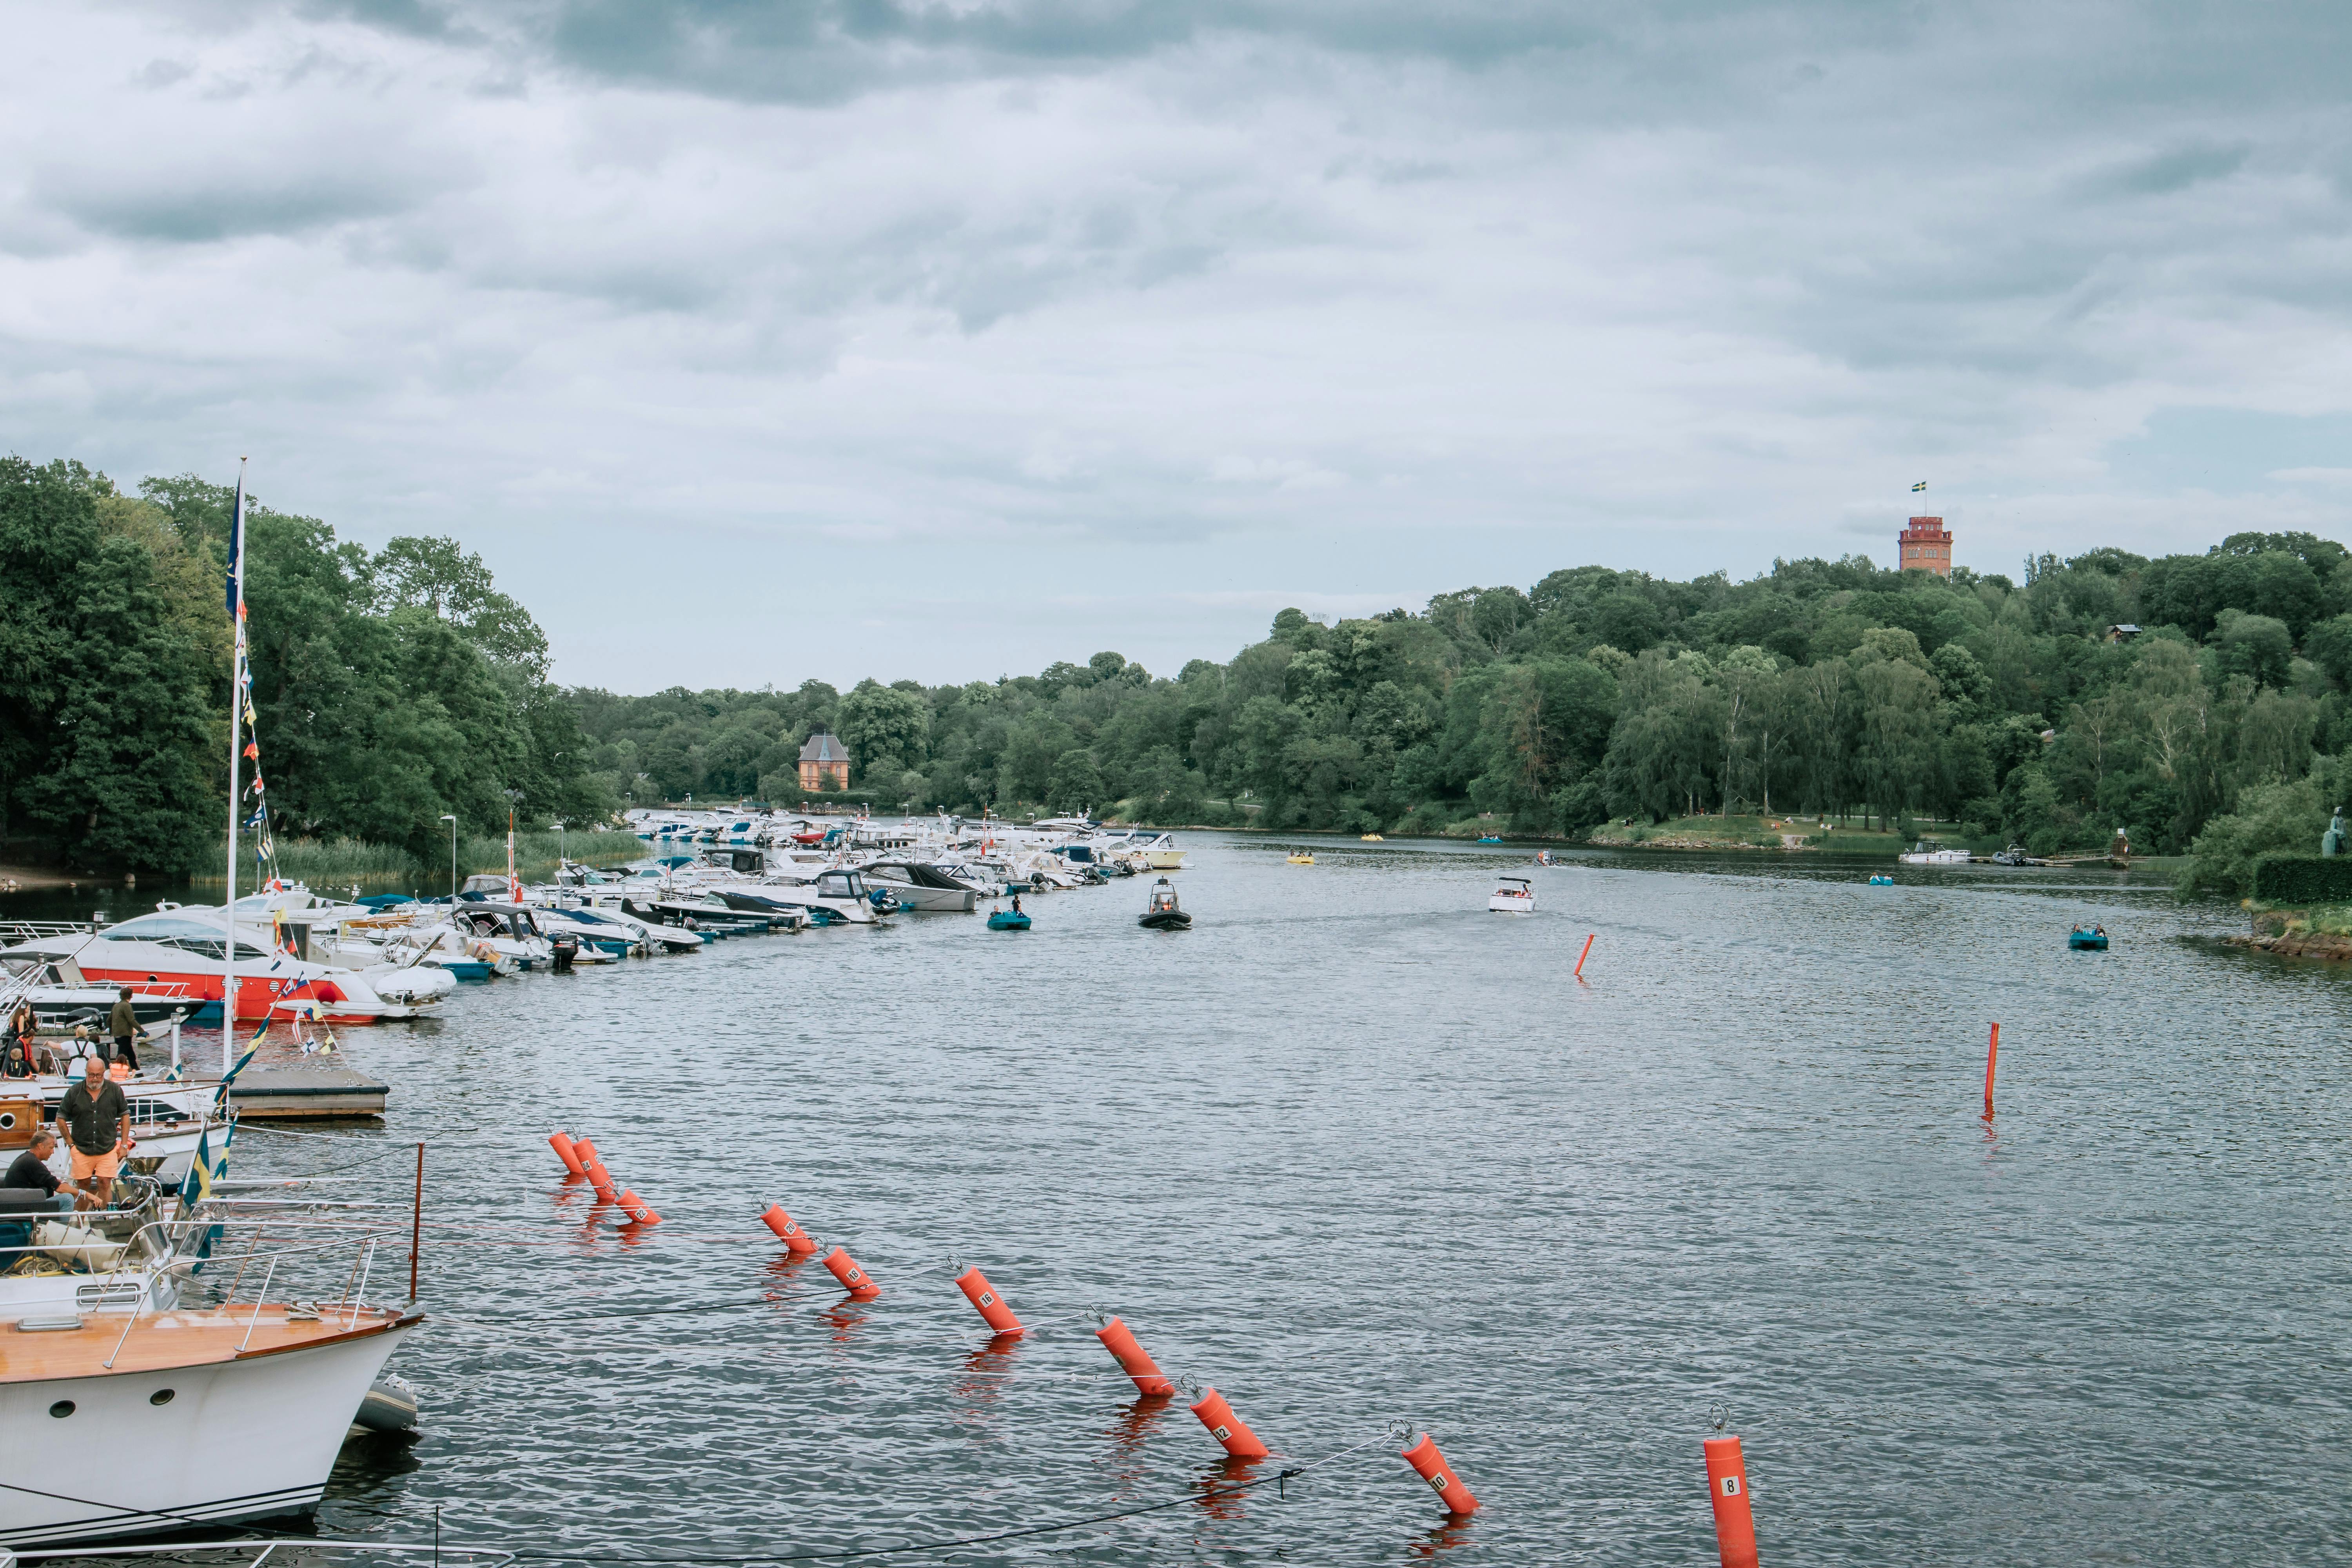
<point>822,748</point>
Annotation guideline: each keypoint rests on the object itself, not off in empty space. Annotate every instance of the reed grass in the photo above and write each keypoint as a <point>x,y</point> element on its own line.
<point>332,864</point>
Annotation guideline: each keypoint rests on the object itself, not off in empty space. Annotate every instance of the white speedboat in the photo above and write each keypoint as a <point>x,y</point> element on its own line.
<point>1931,852</point>
<point>1512,896</point>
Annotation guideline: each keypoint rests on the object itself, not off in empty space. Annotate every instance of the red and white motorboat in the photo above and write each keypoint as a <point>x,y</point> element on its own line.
<point>179,951</point>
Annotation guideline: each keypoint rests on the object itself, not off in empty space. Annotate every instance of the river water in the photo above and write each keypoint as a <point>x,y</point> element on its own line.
<point>1356,1151</point>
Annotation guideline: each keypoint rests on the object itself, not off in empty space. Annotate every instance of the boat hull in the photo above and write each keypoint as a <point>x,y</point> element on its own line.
<point>248,1438</point>
<point>1503,906</point>
<point>1167,919</point>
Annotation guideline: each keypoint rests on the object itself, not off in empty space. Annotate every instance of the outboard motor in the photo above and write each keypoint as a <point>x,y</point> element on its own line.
<point>561,949</point>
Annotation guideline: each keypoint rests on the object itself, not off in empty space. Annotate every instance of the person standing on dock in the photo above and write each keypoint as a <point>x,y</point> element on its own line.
<point>96,1121</point>
<point>123,1025</point>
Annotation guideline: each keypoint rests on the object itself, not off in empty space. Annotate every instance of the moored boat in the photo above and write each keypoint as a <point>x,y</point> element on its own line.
<point>1931,852</point>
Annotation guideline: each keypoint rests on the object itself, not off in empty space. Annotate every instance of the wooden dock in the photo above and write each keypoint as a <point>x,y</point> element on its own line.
<point>288,1094</point>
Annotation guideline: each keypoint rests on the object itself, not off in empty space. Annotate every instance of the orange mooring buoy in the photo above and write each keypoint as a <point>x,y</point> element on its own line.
<point>1149,1380</point>
<point>638,1210</point>
<point>1228,1429</point>
<point>1585,954</point>
<point>1430,1465</point>
<point>990,1305</point>
<point>585,1152</point>
<point>1993,1056</point>
<point>1726,1485</point>
<point>853,1280</point>
<point>607,1192</point>
<point>795,1239</point>
<point>561,1141</point>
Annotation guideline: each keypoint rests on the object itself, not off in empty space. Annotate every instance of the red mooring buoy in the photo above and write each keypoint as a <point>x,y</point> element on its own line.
<point>987,1303</point>
<point>1149,1380</point>
<point>561,1141</point>
<point>607,1189</point>
<point>796,1241</point>
<point>1430,1465</point>
<point>1727,1486</point>
<point>1228,1429</point>
<point>638,1210</point>
<point>853,1280</point>
<point>585,1152</point>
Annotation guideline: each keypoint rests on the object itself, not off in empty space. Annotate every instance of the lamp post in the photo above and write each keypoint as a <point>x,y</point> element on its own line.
<point>453,857</point>
<point>514,802</point>
<point>559,844</point>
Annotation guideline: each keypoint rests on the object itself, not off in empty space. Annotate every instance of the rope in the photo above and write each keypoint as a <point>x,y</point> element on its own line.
<point>1207,1495</point>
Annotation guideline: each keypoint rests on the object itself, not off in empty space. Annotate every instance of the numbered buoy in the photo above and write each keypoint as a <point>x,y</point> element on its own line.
<point>1149,1380</point>
<point>853,1280</point>
<point>796,1241</point>
<point>987,1303</point>
<point>585,1152</point>
<point>560,1143</point>
<point>1430,1465</point>
<point>638,1210</point>
<point>1228,1429</point>
<point>607,1189</point>
<point>1727,1486</point>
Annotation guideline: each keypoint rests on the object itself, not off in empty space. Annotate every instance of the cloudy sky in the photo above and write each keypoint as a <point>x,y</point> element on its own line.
<point>752,341</point>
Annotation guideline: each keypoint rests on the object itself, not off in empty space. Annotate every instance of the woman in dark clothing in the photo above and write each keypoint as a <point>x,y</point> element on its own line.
<point>16,1045</point>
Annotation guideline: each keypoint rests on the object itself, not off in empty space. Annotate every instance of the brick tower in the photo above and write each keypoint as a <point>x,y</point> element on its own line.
<point>1926,546</point>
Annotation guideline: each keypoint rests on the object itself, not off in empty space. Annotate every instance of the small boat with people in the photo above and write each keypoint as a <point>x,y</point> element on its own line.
<point>1300,856</point>
<point>1008,920</point>
<point>1513,896</point>
<point>2090,938</point>
<point>1161,912</point>
<point>1490,838</point>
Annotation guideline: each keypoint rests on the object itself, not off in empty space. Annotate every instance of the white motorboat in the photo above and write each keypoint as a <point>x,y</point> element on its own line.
<point>1931,852</point>
<point>921,887</point>
<point>1512,896</point>
<point>236,1413</point>
<point>1158,851</point>
<point>60,1007</point>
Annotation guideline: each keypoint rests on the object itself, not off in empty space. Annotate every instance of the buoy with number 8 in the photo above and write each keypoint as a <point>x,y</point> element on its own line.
<point>1149,1380</point>
<point>1230,1431</point>
<point>1430,1465</point>
<point>853,1280</point>
<point>987,1302</point>
<point>1727,1486</point>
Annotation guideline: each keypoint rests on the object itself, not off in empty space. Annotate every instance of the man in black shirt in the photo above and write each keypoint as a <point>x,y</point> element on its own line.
<point>31,1169</point>
<point>122,1023</point>
<point>96,1121</point>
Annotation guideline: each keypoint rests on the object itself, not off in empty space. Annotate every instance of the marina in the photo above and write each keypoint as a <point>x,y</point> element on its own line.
<point>1561,1283</point>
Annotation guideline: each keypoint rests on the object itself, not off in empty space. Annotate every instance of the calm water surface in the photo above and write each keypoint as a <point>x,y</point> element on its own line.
<point>1354,1151</point>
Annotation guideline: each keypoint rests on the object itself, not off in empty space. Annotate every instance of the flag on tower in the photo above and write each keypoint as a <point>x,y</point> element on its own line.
<point>1918,487</point>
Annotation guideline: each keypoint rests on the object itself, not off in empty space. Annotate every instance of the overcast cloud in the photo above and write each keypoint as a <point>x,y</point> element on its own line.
<point>753,342</point>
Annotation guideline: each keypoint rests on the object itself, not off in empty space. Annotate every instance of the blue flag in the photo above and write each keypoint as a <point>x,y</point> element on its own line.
<point>237,548</point>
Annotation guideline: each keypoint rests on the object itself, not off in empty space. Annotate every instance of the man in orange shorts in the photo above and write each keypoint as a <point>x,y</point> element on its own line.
<point>96,1121</point>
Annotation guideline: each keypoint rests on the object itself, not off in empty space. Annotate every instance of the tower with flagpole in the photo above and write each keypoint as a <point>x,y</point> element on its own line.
<point>1924,544</point>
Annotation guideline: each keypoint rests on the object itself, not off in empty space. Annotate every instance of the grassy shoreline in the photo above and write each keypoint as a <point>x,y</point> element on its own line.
<point>326,865</point>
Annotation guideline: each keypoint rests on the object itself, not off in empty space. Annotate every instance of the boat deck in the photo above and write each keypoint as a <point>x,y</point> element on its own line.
<point>172,1340</point>
<point>283,1094</point>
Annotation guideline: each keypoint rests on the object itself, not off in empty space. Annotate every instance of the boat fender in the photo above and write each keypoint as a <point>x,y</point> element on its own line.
<point>1727,1486</point>
<point>567,1152</point>
<point>390,1406</point>
<point>796,1241</point>
<point>987,1303</point>
<point>1430,1465</point>
<point>72,1244</point>
<point>853,1280</point>
<point>1230,1431</point>
<point>1149,1380</point>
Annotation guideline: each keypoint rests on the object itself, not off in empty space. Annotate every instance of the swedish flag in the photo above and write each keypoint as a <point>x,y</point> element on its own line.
<point>203,1170</point>
<point>1918,487</point>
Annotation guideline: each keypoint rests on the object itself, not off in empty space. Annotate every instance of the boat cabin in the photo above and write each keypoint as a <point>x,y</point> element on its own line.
<point>1163,896</point>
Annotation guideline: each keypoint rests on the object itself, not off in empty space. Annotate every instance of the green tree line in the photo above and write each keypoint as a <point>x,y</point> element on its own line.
<point>2014,706</point>
<point>390,688</point>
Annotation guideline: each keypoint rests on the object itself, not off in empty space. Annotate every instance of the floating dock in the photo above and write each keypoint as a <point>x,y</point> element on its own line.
<point>286,1094</point>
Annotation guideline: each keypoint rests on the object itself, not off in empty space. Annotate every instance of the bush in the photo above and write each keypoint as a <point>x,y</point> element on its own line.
<point>2302,881</point>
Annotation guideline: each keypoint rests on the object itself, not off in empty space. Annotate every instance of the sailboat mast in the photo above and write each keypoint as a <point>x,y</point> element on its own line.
<point>235,755</point>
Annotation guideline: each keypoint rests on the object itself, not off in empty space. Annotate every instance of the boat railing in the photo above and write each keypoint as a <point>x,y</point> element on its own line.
<point>12,932</point>
<point>254,1553</point>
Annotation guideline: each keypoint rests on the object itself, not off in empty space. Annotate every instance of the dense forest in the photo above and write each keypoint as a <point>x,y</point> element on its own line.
<point>390,688</point>
<point>2160,695</point>
<point>1819,686</point>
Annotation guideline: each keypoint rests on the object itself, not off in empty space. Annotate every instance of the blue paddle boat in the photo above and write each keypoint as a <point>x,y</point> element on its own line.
<point>1882,881</point>
<point>1007,920</point>
<point>2087,939</point>
<point>1490,838</point>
